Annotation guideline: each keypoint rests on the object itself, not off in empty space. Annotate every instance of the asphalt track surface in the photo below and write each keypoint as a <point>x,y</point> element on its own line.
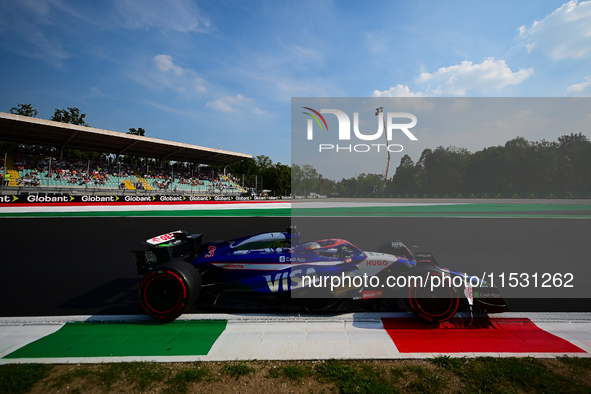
<point>83,265</point>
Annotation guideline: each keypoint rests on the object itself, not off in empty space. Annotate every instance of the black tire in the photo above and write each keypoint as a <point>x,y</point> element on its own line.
<point>169,289</point>
<point>434,305</point>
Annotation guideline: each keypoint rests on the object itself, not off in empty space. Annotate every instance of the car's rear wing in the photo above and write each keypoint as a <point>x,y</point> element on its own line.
<point>171,246</point>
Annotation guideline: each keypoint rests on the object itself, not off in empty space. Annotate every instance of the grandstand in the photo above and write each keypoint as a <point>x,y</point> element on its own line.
<point>37,173</point>
<point>29,180</point>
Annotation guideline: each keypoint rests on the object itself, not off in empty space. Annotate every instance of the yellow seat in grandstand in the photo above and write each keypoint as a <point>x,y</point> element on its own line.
<point>226,179</point>
<point>129,185</point>
<point>14,179</point>
<point>145,183</point>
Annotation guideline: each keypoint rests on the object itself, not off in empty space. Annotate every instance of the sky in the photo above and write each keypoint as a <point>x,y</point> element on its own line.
<point>223,73</point>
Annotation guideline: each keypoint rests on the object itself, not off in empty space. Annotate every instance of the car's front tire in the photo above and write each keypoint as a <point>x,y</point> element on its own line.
<point>434,301</point>
<point>169,289</point>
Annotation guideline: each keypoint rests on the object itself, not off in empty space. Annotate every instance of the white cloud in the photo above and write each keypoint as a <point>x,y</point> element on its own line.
<point>565,33</point>
<point>236,103</point>
<point>397,91</point>
<point>165,63</point>
<point>177,15</point>
<point>176,77</point>
<point>163,73</point>
<point>580,88</point>
<point>458,80</point>
<point>222,104</point>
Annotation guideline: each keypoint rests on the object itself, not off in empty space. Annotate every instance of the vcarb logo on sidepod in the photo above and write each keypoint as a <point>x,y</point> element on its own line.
<point>344,132</point>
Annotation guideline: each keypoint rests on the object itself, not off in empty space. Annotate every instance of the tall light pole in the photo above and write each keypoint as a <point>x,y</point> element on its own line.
<point>4,173</point>
<point>379,111</point>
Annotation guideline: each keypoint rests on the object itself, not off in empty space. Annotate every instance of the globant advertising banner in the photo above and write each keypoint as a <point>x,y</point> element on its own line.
<point>53,198</point>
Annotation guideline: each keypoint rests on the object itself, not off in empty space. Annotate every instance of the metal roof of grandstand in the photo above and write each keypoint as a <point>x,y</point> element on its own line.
<point>28,130</point>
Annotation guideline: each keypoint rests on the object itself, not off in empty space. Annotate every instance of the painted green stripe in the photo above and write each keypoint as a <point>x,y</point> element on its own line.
<point>177,338</point>
<point>459,210</point>
<point>469,210</point>
<point>440,215</point>
<point>455,208</point>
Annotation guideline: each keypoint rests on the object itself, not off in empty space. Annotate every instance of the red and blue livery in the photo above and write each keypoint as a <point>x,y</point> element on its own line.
<point>275,271</point>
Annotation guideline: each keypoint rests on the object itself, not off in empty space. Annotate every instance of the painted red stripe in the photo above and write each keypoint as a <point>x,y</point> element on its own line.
<point>509,335</point>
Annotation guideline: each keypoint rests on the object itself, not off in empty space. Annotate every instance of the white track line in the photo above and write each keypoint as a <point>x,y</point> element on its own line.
<point>288,337</point>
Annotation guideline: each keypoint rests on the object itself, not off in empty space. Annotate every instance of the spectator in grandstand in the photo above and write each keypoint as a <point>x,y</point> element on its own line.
<point>26,181</point>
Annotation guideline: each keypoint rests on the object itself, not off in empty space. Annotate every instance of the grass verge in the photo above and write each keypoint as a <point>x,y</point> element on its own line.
<point>441,374</point>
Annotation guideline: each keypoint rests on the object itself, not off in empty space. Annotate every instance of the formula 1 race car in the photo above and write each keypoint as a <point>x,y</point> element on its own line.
<point>275,271</point>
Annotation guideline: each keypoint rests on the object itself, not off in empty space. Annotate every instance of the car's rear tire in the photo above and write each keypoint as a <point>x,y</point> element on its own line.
<point>169,289</point>
<point>434,304</point>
